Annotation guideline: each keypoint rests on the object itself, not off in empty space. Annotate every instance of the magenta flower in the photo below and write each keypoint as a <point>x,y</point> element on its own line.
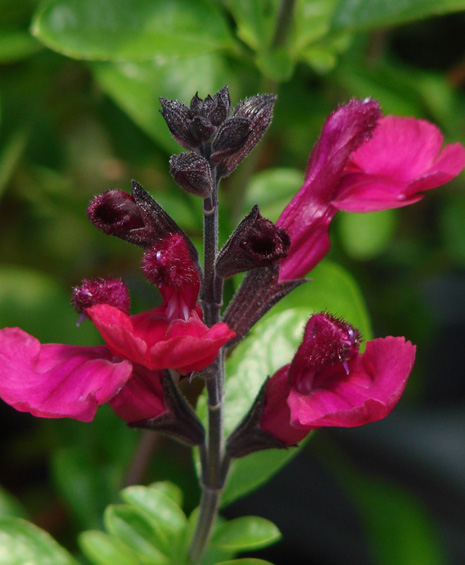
<point>329,383</point>
<point>362,163</point>
<point>56,380</point>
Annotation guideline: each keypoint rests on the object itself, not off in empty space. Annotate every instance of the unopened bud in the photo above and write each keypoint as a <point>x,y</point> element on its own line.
<point>328,341</point>
<point>100,291</point>
<point>115,212</point>
<point>258,111</point>
<point>192,173</point>
<point>178,119</point>
<point>256,242</point>
<point>169,265</point>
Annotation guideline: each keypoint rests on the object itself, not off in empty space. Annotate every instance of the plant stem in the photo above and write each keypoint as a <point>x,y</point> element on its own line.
<point>212,453</point>
<point>284,22</point>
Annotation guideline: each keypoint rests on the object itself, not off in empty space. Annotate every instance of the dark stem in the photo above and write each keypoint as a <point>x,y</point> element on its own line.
<point>211,454</point>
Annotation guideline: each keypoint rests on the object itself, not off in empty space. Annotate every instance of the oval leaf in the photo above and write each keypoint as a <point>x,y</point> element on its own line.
<point>103,549</point>
<point>168,516</point>
<point>130,30</point>
<point>272,344</point>
<point>21,542</point>
<point>135,532</point>
<point>355,15</point>
<point>247,532</point>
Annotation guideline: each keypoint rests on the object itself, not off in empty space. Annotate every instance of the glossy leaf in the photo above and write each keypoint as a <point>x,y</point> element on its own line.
<point>355,15</point>
<point>365,236</point>
<point>272,344</point>
<point>21,542</point>
<point>103,549</point>
<point>137,533</point>
<point>161,509</point>
<point>247,532</point>
<point>131,31</point>
<point>272,190</point>
<point>170,490</point>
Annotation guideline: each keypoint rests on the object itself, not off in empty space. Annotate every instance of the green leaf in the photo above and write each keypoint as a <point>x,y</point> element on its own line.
<point>10,155</point>
<point>401,513</point>
<point>169,489</point>
<point>355,15</point>
<point>10,506</point>
<point>136,532</point>
<point>272,344</point>
<point>331,288</point>
<point>21,542</point>
<point>246,561</point>
<point>365,236</point>
<point>247,532</point>
<point>161,509</point>
<point>103,549</point>
<point>272,190</point>
<point>136,87</point>
<point>255,20</point>
<point>86,491</point>
<point>16,45</point>
<point>131,30</point>
<point>27,297</point>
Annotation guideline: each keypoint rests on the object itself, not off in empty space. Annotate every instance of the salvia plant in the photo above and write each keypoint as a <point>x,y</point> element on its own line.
<point>362,162</point>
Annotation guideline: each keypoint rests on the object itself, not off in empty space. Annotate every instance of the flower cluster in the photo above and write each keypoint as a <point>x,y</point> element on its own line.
<point>362,162</point>
<point>55,380</point>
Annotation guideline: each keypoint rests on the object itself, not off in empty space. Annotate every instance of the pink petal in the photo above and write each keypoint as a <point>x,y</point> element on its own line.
<point>306,218</point>
<point>158,343</point>
<point>56,381</point>
<point>186,353</point>
<point>400,160</point>
<point>370,193</point>
<point>276,417</point>
<point>141,398</point>
<point>401,149</point>
<point>373,387</point>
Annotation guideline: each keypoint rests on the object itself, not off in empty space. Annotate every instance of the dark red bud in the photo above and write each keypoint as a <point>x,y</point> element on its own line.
<point>256,242</point>
<point>192,173</point>
<point>328,341</point>
<point>100,291</point>
<point>169,266</point>
<point>115,212</point>
<point>178,119</point>
<point>259,111</point>
<point>230,137</point>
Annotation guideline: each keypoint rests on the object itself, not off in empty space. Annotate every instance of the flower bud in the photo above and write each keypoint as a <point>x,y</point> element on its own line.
<point>197,124</point>
<point>256,242</point>
<point>100,291</point>
<point>169,265</point>
<point>192,173</point>
<point>327,341</point>
<point>258,111</point>
<point>135,217</point>
<point>115,212</point>
<point>178,119</point>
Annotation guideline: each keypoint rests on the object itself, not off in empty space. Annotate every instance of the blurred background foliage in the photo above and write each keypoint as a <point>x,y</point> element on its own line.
<point>79,88</point>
